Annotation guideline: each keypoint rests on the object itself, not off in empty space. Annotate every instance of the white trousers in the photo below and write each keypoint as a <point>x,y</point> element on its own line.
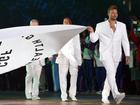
<point>110,81</point>
<point>64,66</point>
<point>32,79</point>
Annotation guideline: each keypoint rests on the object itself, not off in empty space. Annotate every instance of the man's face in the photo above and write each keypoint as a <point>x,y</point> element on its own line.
<point>34,24</point>
<point>113,14</point>
<point>66,21</point>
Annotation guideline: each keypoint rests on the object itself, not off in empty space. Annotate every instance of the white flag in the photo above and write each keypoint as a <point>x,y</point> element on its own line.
<point>21,45</point>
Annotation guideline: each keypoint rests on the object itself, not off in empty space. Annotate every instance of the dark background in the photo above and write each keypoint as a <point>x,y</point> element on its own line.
<point>84,12</point>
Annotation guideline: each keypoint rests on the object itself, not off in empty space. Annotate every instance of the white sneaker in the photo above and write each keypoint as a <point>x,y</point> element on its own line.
<point>28,97</point>
<point>105,101</point>
<point>73,98</point>
<point>36,98</point>
<point>119,98</point>
<point>64,99</point>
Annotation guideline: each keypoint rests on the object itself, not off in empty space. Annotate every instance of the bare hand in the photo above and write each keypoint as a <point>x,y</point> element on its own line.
<point>127,60</point>
<point>90,29</point>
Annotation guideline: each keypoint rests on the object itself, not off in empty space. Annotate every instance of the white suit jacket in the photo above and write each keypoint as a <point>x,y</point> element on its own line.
<point>111,43</point>
<point>72,51</point>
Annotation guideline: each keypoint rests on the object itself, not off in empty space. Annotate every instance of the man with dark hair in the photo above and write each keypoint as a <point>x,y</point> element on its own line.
<point>112,7</point>
<point>112,36</point>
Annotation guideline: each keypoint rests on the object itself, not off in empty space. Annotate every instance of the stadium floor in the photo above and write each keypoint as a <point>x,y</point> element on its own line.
<point>49,98</point>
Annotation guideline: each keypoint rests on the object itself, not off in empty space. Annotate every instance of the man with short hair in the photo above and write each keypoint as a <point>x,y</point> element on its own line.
<point>112,36</point>
<point>33,72</point>
<point>69,58</point>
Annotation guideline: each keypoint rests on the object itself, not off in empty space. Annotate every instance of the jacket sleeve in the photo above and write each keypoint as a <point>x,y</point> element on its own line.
<point>125,42</point>
<point>77,50</point>
<point>94,36</point>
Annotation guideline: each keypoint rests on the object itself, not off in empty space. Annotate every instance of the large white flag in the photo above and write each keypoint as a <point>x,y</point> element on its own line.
<point>21,45</point>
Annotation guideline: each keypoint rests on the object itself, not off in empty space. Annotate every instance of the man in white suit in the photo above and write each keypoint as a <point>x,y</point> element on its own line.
<point>112,36</point>
<point>33,72</point>
<point>69,58</point>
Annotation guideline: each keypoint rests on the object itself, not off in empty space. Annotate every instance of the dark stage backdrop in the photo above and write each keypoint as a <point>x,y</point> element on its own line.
<point>84,12</point>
